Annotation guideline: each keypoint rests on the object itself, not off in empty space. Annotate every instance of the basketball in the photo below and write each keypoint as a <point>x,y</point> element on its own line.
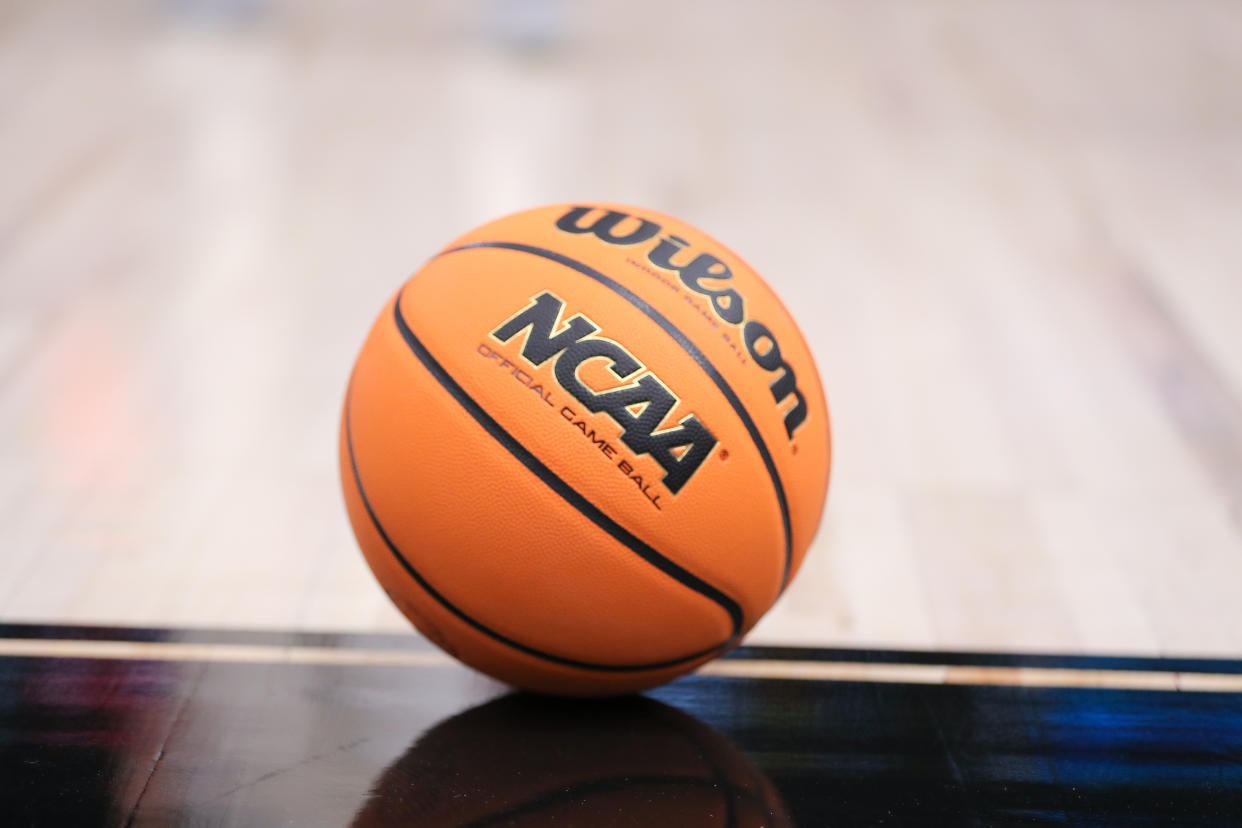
<point>584,449</point>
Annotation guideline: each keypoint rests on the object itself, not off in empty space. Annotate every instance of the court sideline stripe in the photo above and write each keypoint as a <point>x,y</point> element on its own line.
<point>792,670</point>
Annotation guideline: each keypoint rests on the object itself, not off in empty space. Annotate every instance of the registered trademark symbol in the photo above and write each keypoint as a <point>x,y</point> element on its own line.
<point>724,454</point>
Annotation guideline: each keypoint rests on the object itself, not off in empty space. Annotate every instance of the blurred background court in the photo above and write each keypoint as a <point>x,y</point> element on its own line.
<point>1011,231</point>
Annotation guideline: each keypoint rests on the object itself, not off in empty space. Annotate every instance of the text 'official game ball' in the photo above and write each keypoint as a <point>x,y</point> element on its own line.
<point>584,449</point>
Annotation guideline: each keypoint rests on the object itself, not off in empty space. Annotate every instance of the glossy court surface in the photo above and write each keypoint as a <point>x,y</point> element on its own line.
<point>106,726</point>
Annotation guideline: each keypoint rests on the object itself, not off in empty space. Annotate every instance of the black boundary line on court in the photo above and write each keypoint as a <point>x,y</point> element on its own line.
<point>414,643</point>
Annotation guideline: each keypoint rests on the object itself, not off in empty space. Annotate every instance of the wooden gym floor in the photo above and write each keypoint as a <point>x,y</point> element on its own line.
<point>1010,230</point>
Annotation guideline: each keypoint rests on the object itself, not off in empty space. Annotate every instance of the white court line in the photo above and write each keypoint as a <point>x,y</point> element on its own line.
<point>734,668</point>
<point>188,651</point>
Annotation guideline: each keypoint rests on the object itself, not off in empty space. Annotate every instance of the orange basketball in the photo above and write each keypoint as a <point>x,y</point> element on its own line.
<point>584,449</point>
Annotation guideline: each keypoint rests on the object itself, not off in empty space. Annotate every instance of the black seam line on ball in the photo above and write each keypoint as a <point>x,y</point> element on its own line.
<point>689,347</point>
<point>457,611</point>
<point>567,492</point>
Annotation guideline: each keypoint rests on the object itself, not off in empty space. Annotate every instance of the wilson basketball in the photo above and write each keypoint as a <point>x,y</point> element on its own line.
<point>584,449</point>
